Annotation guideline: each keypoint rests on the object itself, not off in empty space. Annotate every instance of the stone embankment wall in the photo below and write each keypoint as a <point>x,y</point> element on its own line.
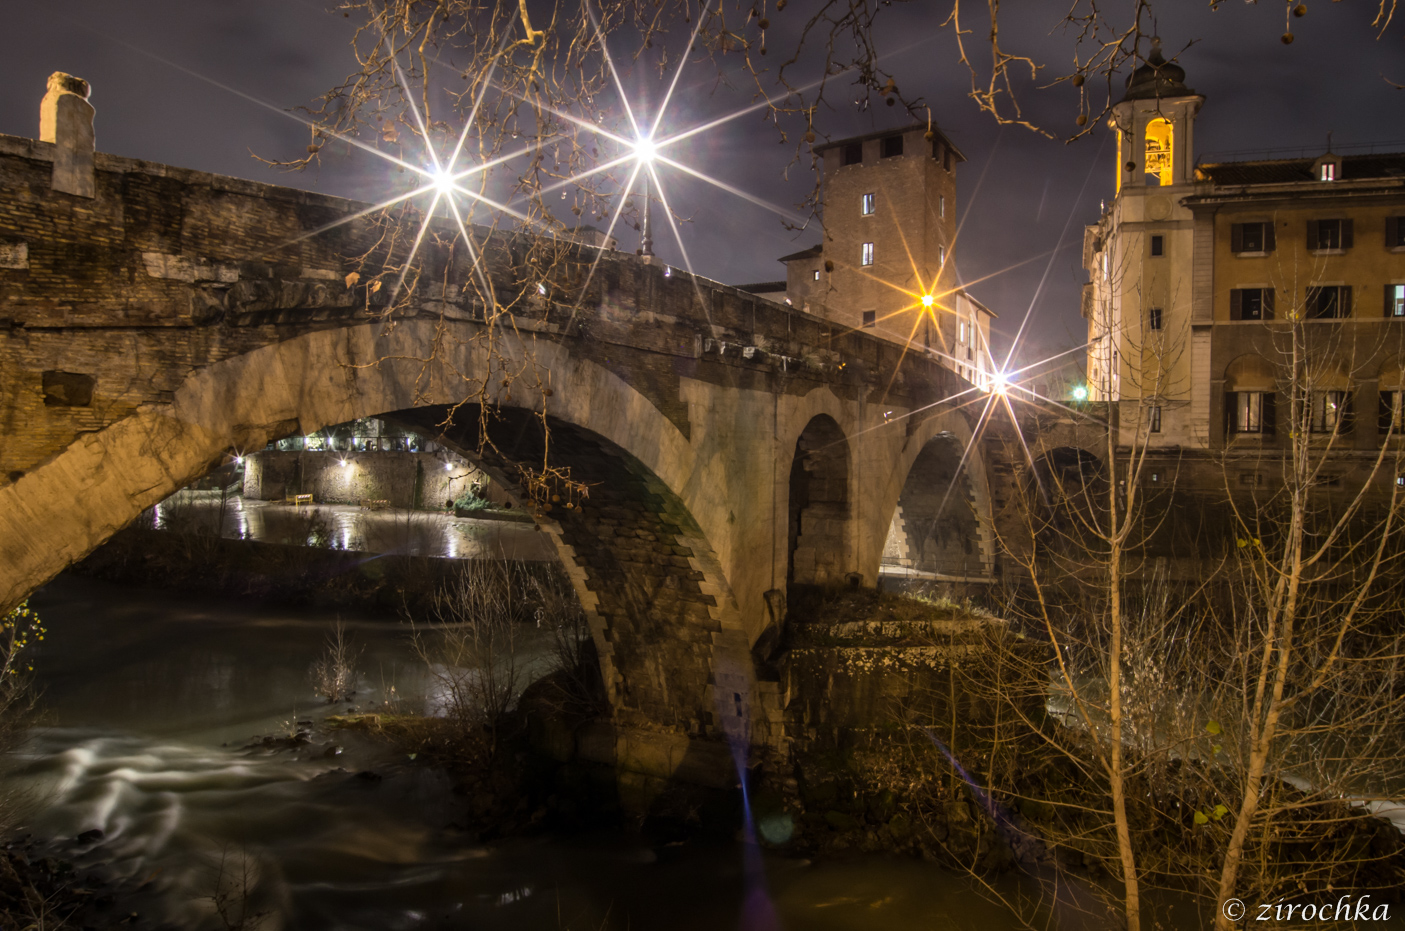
<point>403,480</point>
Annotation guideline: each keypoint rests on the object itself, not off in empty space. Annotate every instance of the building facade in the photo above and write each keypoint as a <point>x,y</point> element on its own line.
<point>1201,274</point>
<point>889,210</point>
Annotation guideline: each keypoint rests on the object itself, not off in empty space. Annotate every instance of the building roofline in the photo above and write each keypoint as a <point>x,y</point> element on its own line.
<point>879,134</point>
<point>979,306</point>
<point>809,253</point>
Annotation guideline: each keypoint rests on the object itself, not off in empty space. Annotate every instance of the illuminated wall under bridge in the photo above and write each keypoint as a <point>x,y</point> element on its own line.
<point>404,480</point>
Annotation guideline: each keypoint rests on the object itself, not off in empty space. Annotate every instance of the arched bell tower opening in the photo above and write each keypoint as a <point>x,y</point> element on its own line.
<point>819,504</point>
<point>1160,137</point>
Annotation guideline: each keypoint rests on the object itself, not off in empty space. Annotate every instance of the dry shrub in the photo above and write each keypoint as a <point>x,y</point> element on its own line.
<point>334,672</point>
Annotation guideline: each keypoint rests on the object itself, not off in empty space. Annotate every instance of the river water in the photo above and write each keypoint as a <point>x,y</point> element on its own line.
<point>152,699</point>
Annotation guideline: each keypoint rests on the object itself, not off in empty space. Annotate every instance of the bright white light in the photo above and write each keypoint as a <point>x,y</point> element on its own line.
<point>645,150</point>
<point>541,289</point>
<point>344,463</point>
<point>1080,393</point>
<point>448,467</point>
<point>239,460</point>
<point>999,384</point>
<point>442,180</point>
<point>928,300</point>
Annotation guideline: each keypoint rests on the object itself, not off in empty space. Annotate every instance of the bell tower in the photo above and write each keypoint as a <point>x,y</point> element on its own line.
<point>1142,339</point>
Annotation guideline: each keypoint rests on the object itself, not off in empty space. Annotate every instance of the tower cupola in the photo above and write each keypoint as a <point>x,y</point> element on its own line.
<point>1154,122</point>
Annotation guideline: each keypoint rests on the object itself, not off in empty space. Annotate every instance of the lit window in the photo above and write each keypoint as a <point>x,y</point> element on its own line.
<point>1248,412</point>
<point>1395,300</point>
<point>870,317</point>
<point>1156,478</point>
<point>941,205</point>
<point>1153,318</point>
<point>1400,480</point>
<point>1329,171</point>
<point>1328,410</point>
<point>867,206</point>
<point>817,274</point>
<point>1155,419</point>
<point>866,255</point>
<point>941,255</point>
<point>961,331</point>
<point>1158,245</point>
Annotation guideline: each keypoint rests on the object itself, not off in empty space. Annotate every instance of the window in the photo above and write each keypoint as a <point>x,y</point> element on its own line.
<point>1156,478</point>
<point>1329,235</point>
<point>867,206</point>
<point>892,146</point>
<point>1158,245</point>
<point>1395,300</point>
<point>1153,318</point>
<point>1251,238</point>
<point>941,206</point>
<point>1250,412</point>
<point>1158,150</point>
<point>1155,423</point>
<point>1329,411</point>
<point>1395,232</point>
<point>961,331</point>
<point>1329,302</point>
<point>817,274</point>
<point>866,254</point>
<point>853,153</point>
<point>1391,413</point>
<point>946,158</point>
<point>1328,172</point>
<point>870,318</point>
<point>941,255</point>
<point>1251,304</point>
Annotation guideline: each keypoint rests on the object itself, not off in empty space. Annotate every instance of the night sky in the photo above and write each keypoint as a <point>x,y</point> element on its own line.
<point>1036,192</point>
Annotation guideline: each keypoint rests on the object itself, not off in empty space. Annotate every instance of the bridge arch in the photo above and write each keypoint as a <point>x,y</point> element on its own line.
<point>671,643</point>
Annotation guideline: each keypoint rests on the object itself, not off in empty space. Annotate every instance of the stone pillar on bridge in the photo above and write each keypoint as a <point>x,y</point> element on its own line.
<point>66,120</point>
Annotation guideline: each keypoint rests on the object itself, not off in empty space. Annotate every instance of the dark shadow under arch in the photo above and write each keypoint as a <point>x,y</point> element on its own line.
<point>819,505</point>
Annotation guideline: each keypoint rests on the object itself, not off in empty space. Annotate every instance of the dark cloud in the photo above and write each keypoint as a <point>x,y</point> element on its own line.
<point>1036,191</point>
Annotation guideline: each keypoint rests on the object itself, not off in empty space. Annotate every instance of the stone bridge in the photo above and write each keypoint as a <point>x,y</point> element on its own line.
<point>161,320</point>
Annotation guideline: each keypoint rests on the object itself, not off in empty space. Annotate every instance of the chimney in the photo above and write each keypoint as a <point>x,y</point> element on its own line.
<point>66,120</point>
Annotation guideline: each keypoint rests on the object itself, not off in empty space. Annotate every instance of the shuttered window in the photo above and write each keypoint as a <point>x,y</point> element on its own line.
<point>853,154</point>
<point>1251,237</point>
<point>1390,416</point>
<point>1395,232</point>
<point>1328,303</point>
<point>1329,235</point>
<point>1251,304</point>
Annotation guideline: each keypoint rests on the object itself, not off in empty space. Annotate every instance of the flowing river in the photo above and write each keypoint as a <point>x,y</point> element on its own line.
<point>152,700</point>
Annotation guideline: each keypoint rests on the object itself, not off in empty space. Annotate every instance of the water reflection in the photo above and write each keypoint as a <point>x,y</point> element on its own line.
<point>347,527</point>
